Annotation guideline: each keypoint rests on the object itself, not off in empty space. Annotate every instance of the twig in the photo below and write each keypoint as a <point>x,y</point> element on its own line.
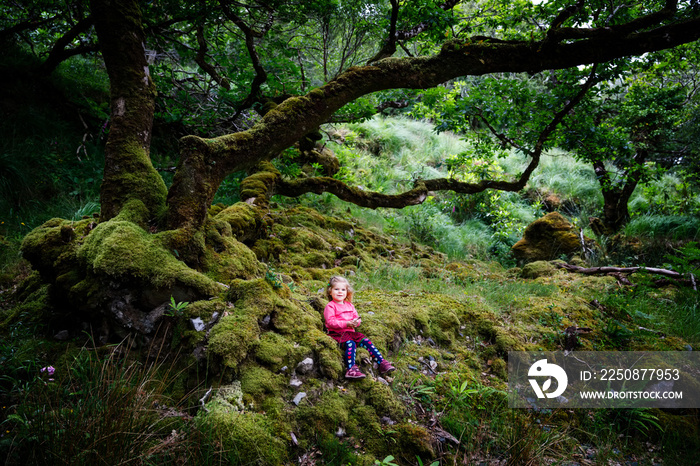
<point>201,400</point>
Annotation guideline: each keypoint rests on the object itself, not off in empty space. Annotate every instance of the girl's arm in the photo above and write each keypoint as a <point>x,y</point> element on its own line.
<point>357,315</point>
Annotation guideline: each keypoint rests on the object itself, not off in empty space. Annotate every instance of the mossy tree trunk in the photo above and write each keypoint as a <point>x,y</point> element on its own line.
<point>128,173</point>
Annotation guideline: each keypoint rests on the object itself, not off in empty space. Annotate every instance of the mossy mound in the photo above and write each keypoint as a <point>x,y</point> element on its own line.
<point>302,241</point>
<point>547,238</point>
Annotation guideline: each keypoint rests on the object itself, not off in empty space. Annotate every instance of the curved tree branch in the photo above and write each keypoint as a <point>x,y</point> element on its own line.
<point>59,52</point>
<point>260,74</point>
<point>201,60</point>
<point>419,192</point>
<point>559,34</point>
<point>293,118</point>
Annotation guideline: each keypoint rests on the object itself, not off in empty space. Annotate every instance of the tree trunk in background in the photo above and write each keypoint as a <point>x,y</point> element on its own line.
<point>616,197</point>
<point>128,173</point>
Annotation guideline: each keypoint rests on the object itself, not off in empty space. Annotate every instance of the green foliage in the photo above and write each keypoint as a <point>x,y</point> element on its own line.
<point>688,260</point>
<point>387,461</point>
<point>230,190</point>
<point>628,309</point>
<point>176,309</point>
<point>336,452</point>
<point>273,278</point>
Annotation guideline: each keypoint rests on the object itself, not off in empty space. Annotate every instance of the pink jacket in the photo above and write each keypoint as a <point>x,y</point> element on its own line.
<point>337,315</point>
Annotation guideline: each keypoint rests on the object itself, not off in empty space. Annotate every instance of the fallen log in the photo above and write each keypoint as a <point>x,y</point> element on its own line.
<point>618,271</point>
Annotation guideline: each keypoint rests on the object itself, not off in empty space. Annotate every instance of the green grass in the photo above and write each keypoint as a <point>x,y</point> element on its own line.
<point>676,227</point>
<point>572,181</point>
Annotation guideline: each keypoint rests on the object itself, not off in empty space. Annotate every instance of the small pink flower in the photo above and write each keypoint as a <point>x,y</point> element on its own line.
<point>49,370</point>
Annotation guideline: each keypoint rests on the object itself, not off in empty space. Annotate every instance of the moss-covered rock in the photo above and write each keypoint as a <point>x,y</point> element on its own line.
<point>248,437</point>
<point>233,337</point>
<point>538,269</point>
<point>547,238</point>
<point>241,221</point>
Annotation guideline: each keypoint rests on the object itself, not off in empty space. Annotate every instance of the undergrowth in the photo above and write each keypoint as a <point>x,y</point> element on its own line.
<point>95,407</point>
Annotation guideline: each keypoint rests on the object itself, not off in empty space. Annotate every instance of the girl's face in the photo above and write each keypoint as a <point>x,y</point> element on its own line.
<point>339,291</point>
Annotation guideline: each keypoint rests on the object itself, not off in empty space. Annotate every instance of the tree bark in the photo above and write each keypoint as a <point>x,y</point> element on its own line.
<point>129,174</point>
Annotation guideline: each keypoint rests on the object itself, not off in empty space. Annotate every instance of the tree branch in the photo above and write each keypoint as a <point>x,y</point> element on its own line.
<point>201,60</point>
<point>59,52</point>
<point>357,196</point>
<point>389,47</point>
<point>627,270</point>
<point>395,36</point>
<point>639,24</point>
<point>260,73</point>
<point>23,26</point>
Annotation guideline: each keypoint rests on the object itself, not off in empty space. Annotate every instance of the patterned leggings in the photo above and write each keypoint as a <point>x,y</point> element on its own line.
<point>351,349</point>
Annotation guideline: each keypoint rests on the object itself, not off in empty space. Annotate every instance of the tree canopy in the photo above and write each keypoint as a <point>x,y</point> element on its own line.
<point>275,71</point>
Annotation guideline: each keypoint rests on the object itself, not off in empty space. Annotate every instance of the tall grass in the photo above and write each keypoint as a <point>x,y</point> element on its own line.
<point>573,181</point>
<point>479,417</point>
<point>653,226</point>
<point>96,410</point>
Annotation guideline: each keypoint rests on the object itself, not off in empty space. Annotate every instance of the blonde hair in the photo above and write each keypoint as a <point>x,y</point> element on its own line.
<point>338,279</point>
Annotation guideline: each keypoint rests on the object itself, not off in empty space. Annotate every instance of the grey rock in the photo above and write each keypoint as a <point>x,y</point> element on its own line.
<point>296,383</point>
<point>198,324</point>
<point>305,366</point>
<point>300,396</point>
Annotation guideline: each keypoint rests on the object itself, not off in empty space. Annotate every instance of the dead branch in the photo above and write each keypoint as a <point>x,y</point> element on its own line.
<point>621,273</point>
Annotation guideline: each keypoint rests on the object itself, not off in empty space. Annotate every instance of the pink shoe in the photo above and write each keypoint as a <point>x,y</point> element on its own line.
<point>385,367</point>
<point>354,373</point>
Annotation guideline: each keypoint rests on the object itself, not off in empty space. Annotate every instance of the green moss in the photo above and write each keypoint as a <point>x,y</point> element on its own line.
<point>231,260</point>
<point>48,248</point>
<point>259,183</point>
<point>276,351</point>
<point>383,399</point>
<point>123,250</point>
<point>547,238</point>
<point>538,269</point>
<point>258,298</point>
<point>232,337</point>
<point>205,309</point>
<point>258,383</point>
<point>247,437</point>
<point>311,259</point>
<point>412,441</point>
<point>240,220</point>
<point>35,307</point>
<point>404,315</point>
<point>503,340</point>
<point>327,352</point>
<point>134,211</point>
<point>268,249</point>
<point>330,411</point>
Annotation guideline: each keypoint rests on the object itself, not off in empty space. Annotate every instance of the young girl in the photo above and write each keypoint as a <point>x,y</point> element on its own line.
<point>341,321</point>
